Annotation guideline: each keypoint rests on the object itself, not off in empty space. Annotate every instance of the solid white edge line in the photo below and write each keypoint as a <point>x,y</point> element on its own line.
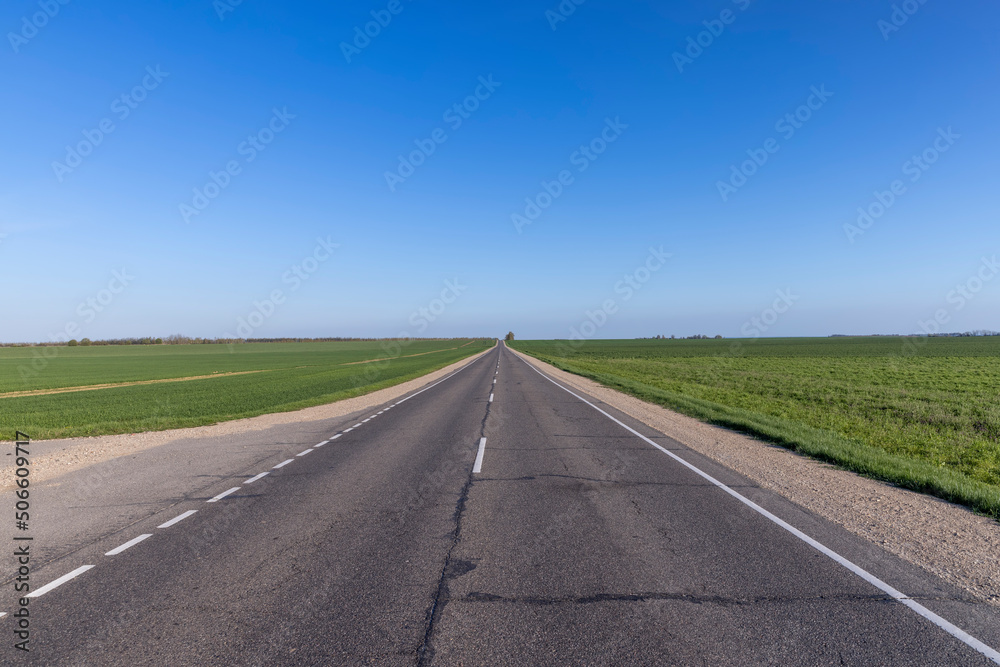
<point>431,386</point>
<point>222,495</point>
<point>945,625</point>
<point>282,464</point>
<point>58,582</point>
<point>130,543</point>
<point>256,477</point>
<point>336,436</point>
<point>177,518</point>
<point>477,467</point>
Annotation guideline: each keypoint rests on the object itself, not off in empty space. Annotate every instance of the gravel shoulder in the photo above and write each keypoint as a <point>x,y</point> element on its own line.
<point>51,458</point>
<point>945,539</point>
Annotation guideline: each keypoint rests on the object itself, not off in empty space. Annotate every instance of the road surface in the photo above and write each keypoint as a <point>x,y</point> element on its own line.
<point>492,518</point>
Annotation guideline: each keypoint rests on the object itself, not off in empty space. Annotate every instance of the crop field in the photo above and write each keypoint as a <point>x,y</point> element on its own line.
<point>921,413</point>
<point>78,391</point>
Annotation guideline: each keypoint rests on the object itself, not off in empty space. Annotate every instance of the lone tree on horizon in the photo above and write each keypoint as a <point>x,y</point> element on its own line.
<point>509,336</point>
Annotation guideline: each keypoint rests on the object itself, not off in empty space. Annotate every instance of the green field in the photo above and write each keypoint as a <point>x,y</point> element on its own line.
<point>272,377</point>
<point>920,413</point>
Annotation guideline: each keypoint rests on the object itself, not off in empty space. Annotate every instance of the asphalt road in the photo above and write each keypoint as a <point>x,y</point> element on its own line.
<point>562,538</point>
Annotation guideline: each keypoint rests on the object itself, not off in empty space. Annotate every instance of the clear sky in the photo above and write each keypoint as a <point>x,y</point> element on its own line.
<point>648,111</point>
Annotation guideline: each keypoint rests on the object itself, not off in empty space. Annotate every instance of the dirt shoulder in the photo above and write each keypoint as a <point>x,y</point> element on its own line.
<point>55,457</point>
<point>945,539</point>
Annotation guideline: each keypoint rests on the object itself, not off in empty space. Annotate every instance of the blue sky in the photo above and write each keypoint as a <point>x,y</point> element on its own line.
<point>212,75</point>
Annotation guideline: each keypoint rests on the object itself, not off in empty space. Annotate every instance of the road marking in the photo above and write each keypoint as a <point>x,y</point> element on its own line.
<point>222,495</point>
<point>381,411</point>
<point>357,425</point>
<point>320,444</point>
<point>282,464</point>
<point>491,398</point>
<point>336,436</point>
<point>256,477</point>
<point>494,380</point>
<point>130,543</point>
<point>431,386</point>
<point>348,430</point>
<point>59,582</point>
<point>945,625</point>
<point>179,517</point>
<point>304,452</point>
<point>477,467</point>
<point>363,421</point>
<point>2,614</point>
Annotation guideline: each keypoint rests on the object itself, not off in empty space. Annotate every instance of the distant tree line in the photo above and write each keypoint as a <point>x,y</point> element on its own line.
<point>178,339</point>
<point>956,334</point>
<point>694,337</point>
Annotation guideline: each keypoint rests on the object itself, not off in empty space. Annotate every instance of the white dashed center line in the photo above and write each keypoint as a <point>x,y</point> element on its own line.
<point>491,398</point>
<point>59,582</point>
<point>130,543</point>
<point>365,420</point>
<point>305,452</point>
<point>356,425</point>
<point>477,467</point>
<point>222,495</point>
<point>256,477</point>
<point>320,444</point>
<point>336,436</point>
<point>283,464</point>
<point>179,517</point>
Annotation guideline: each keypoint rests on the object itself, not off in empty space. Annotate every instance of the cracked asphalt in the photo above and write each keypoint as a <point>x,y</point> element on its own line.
<point>577,543</point>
